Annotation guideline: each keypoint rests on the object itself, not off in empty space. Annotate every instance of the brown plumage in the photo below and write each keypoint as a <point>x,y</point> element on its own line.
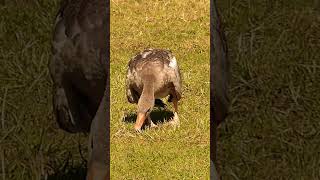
<point>79,71</point>
<point>220,76</point>
<point>153,74</point>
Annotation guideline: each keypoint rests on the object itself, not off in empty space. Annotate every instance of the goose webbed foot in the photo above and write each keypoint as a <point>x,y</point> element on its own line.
<point>175,120</point>
<point>138,130</point>
<point>150,123</point>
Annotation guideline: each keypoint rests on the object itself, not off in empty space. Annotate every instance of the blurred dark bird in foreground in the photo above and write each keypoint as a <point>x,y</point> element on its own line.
<point>219,101</point>
<point>79,70</point>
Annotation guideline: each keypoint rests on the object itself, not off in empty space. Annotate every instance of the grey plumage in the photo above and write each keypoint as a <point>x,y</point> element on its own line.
<point>155,63</point>
<point>152,74</point>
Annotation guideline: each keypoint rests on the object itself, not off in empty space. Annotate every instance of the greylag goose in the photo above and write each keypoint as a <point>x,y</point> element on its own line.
<point>153,74</point>
<point>220,76</point>
<point>79,70</point>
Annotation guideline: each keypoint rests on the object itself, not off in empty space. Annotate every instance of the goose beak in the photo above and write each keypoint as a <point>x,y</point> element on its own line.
<point>141,117</point>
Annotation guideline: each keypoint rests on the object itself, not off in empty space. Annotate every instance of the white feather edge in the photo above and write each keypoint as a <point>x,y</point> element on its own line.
<point>173,63</point>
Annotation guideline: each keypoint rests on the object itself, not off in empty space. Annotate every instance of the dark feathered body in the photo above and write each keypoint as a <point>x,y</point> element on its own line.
<point>78,67</point>
<point>79,71</point>
<point>221,67</point>
<point>219,100</point>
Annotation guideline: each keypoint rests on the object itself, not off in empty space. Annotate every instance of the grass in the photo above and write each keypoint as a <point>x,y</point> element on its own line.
<point>273,128</point>
<point>163,153</point>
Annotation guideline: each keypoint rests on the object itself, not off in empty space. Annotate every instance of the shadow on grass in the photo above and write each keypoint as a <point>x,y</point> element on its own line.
<point>78,172</point>
<point>158,116</point>
<point>69,170</point>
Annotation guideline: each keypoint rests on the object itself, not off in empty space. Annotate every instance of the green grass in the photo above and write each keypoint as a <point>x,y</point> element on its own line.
<point>163,153</point>
<point>273,129</point>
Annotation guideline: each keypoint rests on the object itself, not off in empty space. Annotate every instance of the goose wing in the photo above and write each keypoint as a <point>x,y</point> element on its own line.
<point>132,95</point>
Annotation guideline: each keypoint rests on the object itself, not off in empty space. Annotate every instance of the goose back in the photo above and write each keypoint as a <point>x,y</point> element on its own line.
<point>159,64</point>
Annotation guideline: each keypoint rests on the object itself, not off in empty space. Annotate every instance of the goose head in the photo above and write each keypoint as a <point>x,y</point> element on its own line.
<point>146,102</point>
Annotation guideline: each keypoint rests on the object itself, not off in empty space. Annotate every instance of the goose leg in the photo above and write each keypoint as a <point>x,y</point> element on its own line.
<point>175,120</point>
